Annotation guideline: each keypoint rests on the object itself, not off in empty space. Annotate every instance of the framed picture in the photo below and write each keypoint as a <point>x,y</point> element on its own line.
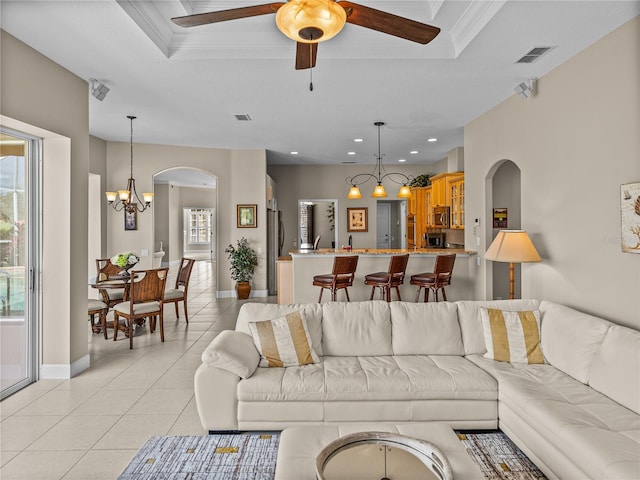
<point>500,218</point>
<point>630,217</point>
<point>247,217</point>
<point>131,218</point>
<point>357,220</point>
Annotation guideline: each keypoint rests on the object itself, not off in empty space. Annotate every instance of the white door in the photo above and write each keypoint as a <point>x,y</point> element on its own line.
<point>383,230</point>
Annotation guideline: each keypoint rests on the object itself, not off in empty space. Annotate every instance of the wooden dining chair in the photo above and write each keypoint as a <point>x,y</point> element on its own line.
<point>341,276</point>
<point>146,293</point>
<point>109,274</point>
<point>438,279</point>
<point>392,278</point>
<point>179,294</point>
<point>96,307</point>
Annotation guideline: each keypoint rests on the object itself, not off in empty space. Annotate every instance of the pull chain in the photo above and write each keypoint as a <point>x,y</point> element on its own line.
<point>311,67</point>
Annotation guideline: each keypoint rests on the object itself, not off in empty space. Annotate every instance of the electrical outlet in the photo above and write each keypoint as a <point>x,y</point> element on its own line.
<point>144,252</point>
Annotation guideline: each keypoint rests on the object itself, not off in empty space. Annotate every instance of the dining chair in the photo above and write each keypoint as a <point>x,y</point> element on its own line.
<point>436,280</point>
<point>341,276</point>
<point>96,307</point>
<point>392,278</point>
<point>176,295</point>
<point>109,275</point>
<point>146,292</point>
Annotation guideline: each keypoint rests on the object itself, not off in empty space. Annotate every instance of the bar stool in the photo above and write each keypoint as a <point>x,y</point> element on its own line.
<point>436,280</point>
<point>393,278</point>
<point>342,275</point>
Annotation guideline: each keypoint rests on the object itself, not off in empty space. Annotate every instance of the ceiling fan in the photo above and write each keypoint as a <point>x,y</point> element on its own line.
<point>311,21</point>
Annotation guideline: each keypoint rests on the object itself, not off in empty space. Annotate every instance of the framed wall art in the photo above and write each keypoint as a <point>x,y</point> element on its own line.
<point>247,216</point>
<point>500,218</point>
<point>131,218</point>
<point>357,220</point>
<point>630,217</point>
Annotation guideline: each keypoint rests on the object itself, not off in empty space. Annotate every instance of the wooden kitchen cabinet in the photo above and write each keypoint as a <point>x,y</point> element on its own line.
<point>418,211</point>
<point>456,189</point>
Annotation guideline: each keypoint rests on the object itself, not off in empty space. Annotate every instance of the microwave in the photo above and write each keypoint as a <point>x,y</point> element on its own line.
<point>441,217</point>
<point>434,240</point>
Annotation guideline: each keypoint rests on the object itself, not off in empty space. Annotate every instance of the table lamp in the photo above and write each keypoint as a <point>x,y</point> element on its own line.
<point>513,246</point>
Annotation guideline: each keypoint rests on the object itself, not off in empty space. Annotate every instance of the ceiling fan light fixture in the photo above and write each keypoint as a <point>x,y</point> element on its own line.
<point>311,21</point>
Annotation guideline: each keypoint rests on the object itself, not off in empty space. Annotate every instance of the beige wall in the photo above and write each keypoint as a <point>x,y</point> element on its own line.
<point>328,182</point>
<point>234,186</point>
<point>42,98</point>
<point>98,166</point>
<point>575,143</point>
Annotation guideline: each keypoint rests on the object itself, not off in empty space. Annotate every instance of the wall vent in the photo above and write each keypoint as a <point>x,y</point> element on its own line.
<point>243,117</point>
<point>534,54</point>
<point>347,162</point>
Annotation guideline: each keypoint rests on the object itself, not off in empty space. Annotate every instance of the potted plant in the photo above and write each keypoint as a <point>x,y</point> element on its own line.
<point>243,263</point>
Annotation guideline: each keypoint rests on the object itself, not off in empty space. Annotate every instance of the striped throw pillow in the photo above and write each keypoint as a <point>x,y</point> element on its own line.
<point>512,336</point>
<point>283,342</point>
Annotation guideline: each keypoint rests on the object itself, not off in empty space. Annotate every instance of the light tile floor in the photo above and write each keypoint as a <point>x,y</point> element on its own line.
<point>91,426</point>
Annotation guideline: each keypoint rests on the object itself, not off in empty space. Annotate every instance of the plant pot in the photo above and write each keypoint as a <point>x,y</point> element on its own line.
<point>243,290</point>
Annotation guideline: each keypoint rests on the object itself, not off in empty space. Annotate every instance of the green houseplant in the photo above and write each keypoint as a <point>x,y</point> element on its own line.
<point>244,261</point>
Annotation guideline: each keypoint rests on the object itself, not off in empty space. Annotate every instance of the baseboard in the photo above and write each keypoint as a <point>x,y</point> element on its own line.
<point>232,293</point>
<point>64,371</point>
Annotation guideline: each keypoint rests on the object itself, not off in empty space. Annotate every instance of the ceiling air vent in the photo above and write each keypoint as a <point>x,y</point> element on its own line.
<point>534,54</point>
<point>243,117</point>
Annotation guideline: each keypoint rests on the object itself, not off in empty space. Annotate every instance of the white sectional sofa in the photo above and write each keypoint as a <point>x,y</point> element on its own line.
<point>576,416</point>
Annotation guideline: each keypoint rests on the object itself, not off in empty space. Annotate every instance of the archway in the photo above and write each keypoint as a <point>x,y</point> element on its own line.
<point>185,224</point>
<point>503,199</point>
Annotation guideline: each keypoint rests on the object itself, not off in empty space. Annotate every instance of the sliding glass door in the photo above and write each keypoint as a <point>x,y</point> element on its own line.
<point>19,160</point>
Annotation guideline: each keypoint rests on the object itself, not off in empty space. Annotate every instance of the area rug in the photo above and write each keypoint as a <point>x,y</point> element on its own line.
<point>498,457</point>
<point>211,457</point>
<point>253,457</point>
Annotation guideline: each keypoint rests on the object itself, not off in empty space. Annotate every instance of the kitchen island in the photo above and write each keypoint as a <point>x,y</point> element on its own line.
<point>307,263</point>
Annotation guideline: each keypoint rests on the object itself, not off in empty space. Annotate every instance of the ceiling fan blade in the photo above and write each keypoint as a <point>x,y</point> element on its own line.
<point>306,55</point>
<point>224,15</point>
<point>389,23</point>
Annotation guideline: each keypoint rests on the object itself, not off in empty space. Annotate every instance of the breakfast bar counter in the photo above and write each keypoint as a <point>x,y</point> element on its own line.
<point>307,263</point>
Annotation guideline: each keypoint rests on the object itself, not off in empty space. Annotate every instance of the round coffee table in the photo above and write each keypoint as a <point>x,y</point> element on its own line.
<point>366,455</point>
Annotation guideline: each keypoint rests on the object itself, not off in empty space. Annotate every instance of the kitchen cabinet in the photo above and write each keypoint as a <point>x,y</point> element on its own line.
<point>456,189</point>
<point>417,215</point>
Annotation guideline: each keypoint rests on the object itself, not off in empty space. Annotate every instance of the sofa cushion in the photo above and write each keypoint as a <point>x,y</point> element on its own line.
<point>356,328</point>
<point>283,341</point>
<point>512,336</point>
<point>232,351</point>
<point>255,312</point>
<point>471,324</point>
<point>409,377</point>
<point>425,329</point>
<point>592,430</point>
<point>570,339</point>
<point>615,370</point>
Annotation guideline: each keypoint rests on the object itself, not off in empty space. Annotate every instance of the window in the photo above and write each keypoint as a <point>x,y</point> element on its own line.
<point>199,226</point>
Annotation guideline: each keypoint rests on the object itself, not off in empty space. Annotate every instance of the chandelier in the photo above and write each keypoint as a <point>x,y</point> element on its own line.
<point>127,198</point>
<point>378,176</point>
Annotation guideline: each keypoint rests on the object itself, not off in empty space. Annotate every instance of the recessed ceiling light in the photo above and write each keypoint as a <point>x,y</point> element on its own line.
<point>294,153</point>
<point>402,160</point>
<point>413,152</point>
<point>358,140</point>
<point>432,140</point>
<point>351,153</point>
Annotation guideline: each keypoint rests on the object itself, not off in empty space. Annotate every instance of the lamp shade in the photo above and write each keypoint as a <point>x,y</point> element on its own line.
<point>311,21</point>
<point>354,193</point>
<point>379,191</point>
<point>512,246</point>
<point>405,192</point>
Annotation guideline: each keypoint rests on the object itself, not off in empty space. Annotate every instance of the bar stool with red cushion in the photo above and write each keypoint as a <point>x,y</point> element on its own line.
<point>436,280</point>
<point>344,269</point>
<point>393,278</point>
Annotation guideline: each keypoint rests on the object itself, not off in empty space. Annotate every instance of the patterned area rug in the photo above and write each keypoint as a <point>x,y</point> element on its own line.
<point>499,458</point>
<point>211,457</point>
<point>253,457</point>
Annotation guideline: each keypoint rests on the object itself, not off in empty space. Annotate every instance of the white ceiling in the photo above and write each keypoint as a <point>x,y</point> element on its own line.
<point>186,85</point>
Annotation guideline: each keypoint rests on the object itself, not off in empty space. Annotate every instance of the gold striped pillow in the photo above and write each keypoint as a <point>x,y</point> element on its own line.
<point>512,336</point>
<point>283,342</point>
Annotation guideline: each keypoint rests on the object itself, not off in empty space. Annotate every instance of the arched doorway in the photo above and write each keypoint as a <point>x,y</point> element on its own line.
<point>185,203</point>
<point>504,194</point>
